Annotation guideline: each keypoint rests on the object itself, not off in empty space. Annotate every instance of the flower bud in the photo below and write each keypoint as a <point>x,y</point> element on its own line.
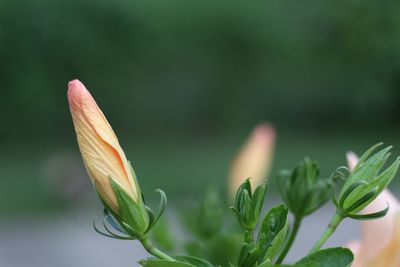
<point>302,189</point>
<point>254,160</point>
<point>366,181</point>
<point>102,155</point>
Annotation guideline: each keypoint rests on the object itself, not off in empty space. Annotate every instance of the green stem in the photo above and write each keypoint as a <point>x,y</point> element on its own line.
<point>248,236</point>
<point>330,229</point>
<point>153,250</point>
<point>292,237</point>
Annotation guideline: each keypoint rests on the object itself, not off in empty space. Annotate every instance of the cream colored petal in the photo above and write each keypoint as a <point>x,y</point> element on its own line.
<point>389,256</point>
<point>378,233</point>
<point>99,146</point>
<point>254,159</point>
<point>355,247</point>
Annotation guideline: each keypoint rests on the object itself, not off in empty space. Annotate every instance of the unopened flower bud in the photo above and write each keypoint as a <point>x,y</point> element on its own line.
<point>102,154</point>
<point>254,160</point>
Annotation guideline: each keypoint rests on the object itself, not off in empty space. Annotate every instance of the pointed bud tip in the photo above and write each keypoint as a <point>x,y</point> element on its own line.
<point>74,87</point>
<point>264,131</point>
<point>352,159</point>
<point>76,92</point>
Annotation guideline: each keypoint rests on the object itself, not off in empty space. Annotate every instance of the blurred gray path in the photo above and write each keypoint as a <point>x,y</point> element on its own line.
<point>71,241</point>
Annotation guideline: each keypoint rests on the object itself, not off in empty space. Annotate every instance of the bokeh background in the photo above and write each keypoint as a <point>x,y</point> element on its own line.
<point>183,83</point>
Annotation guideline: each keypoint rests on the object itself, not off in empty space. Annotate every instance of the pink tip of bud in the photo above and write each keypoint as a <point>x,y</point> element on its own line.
<point>264,131</point>
<point>76,92</point>
<point>74,87</point>
<point>352,159</point>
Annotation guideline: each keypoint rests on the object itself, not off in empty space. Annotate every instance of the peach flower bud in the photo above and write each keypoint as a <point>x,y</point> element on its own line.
<point>102,155</point>
<point>254,160</point>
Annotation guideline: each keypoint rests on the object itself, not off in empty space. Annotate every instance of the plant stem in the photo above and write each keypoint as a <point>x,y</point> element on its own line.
<point>248,236</point>
<point>153,250</point>
<point>292,237</point>
<point>330,229</point>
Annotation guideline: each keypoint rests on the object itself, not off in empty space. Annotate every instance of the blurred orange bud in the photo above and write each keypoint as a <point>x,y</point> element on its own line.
<point>99,146</point>
<point>254,159</point>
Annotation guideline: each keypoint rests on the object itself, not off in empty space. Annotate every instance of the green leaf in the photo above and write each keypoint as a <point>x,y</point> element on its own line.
<point>194,261</point>
<point>277,243</point>
<point>164,263</point>
<point>270,238</point>
<point>273,230</point>
<point>333,257</point>
<point>268,264</point>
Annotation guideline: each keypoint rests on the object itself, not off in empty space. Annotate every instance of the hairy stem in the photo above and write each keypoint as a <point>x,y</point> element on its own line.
<point>330,229</point>
<point>292,237</point>
<point>153,250</point>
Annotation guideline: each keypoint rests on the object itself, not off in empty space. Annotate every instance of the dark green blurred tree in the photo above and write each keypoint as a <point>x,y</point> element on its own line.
<point>174,65</point>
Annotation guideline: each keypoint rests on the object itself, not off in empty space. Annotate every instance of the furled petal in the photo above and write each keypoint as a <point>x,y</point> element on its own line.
<point>254,159</point>
<point>99,146</point>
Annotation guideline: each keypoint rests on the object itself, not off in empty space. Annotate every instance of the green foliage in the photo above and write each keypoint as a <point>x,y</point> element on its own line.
<point>302,189</point>
<point>365,183</point>
<point>248,205</point>
<point>142,54</point>
<point>164,263</point>
<point>181,261</point>
<point>212,235</point>
<point>133,215</point>
<point>163,235</point>
<point>272,232</point>
<point>333,257</point>
<point>262,251</point>
<point>210,216</point>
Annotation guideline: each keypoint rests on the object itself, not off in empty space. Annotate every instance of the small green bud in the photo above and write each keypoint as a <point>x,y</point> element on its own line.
<point>302,190</point>
<point>366,182</point>
<point>248,205</point>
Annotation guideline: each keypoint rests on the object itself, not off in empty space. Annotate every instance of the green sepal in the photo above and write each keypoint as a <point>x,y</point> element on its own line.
<point>302,189</point>
<point>257,202</point>
<point>370,216</point>
<point>248,205</point>
<point>132,214</point>
<point>366,191</point>
<point>161,208</point>
<point>109,218</point>
<point>367,168</point>
<point>245,186</point>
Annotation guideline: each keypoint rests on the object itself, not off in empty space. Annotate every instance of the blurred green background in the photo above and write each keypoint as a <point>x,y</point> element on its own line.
<point>184,82</point>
